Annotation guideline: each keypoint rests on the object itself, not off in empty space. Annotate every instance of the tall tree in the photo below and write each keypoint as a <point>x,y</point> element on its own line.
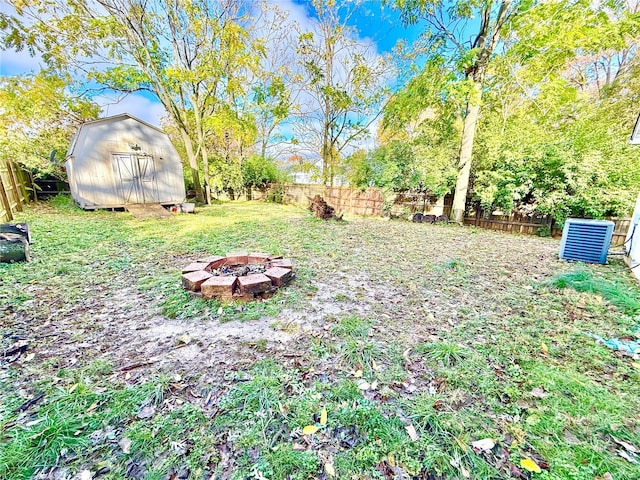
<point>38,115</point>
<point>466,32</point>
<point>560,103</point>
<point>344,82</point>
<point>273,88</point>
<point>192,54</point>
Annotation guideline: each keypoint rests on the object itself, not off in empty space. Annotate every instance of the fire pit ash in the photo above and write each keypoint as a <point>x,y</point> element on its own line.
<point>238,276</point>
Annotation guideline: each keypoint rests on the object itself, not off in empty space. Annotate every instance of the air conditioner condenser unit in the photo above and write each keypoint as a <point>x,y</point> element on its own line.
<point>586,240</point>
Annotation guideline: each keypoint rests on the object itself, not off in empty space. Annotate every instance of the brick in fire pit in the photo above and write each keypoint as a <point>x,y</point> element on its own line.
<point>213,262</point>
<point>278,275</point>
<point>193,280</point>
<point>194,267</point>
<point>254,283</point>
<point>236,259</point>
<point>219,287</point>
<point>257,258</point>
<point>283,263</point>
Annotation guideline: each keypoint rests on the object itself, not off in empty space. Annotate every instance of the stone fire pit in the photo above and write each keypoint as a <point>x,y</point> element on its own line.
<point>238,276</point>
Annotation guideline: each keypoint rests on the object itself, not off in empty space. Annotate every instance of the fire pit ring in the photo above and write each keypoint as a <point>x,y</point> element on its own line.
<point>237,276</point>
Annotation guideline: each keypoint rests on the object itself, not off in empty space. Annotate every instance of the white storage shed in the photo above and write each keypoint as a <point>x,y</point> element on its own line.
<point>121,160</point>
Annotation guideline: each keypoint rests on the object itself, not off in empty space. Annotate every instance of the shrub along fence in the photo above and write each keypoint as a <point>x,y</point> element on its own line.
<point>13,190</point>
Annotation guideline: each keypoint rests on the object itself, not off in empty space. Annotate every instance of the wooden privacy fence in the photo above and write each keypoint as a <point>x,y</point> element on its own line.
<point>343,199</point>
<point>13,191</point>
<point>372,201</point>
<point>405,204</point>
<point>533,224</point>
<point>515,223</point>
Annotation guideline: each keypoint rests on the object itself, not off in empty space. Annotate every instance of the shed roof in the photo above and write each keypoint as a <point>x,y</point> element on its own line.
<point>113,118</point>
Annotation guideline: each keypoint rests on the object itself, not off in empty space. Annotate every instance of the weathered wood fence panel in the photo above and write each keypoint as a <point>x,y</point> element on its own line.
<point>13,191</point>
<point>372,201</point>
<point>533,224</point>
<point>343,199</point>
<point>620,230</point>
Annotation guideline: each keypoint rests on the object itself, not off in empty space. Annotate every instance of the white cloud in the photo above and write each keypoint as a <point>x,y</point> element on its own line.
<point>136,104</point>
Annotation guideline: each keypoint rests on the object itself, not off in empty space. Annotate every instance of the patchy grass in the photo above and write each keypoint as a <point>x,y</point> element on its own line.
<point>611,287</point>
<point>416,340</point>
<point>445,353</point>
<point>75,418</point>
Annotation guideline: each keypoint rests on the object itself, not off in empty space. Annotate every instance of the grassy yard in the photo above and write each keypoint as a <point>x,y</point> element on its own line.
<point>396,349</point>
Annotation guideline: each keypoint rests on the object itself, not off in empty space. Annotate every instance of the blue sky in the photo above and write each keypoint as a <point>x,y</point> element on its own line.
<point>376,21</point>
<point>372,21</point>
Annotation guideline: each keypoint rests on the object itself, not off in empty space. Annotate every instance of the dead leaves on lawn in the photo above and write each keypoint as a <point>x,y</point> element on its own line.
<point>629,451</point>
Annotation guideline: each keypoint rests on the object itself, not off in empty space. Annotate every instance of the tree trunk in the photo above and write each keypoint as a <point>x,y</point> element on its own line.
<point>325,152</point>
<point>203,153</point>
<point>207,186</point>
<point>193,164</point>
<point>486,42</point>
<point>466,150</point>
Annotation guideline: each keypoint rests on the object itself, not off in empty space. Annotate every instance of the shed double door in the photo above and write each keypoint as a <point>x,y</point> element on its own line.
<point>137,177</point>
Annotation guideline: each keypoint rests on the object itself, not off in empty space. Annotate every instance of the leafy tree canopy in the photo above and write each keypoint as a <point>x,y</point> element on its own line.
<point>38,115</point>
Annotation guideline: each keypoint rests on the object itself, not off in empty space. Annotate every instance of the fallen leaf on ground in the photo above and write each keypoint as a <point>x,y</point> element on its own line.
<point>484,445</point>
<point>544,349</point>
<point>147,412</point>
<point>364,385</point>
<point>125,445</point>
<point>299,447</point>
<point>627,446</point>
<point>309,430</point>
<point>571,438</point>
<point>530,465</point>
<point>391,460</point>
<point>85,475</point>
<point>323,417</point>
<point>405,355</point>
<point>411,431</point>
<point>539,392</point>
<point>461,444</point>
<point>328,467</point>
<point>514,471</point>
<point>629,458</point>
<point>357,373</point>
<point>606,476</point>
<point>34,422</point>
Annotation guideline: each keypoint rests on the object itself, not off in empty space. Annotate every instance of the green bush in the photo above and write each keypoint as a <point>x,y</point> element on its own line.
<point>258,172</point>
